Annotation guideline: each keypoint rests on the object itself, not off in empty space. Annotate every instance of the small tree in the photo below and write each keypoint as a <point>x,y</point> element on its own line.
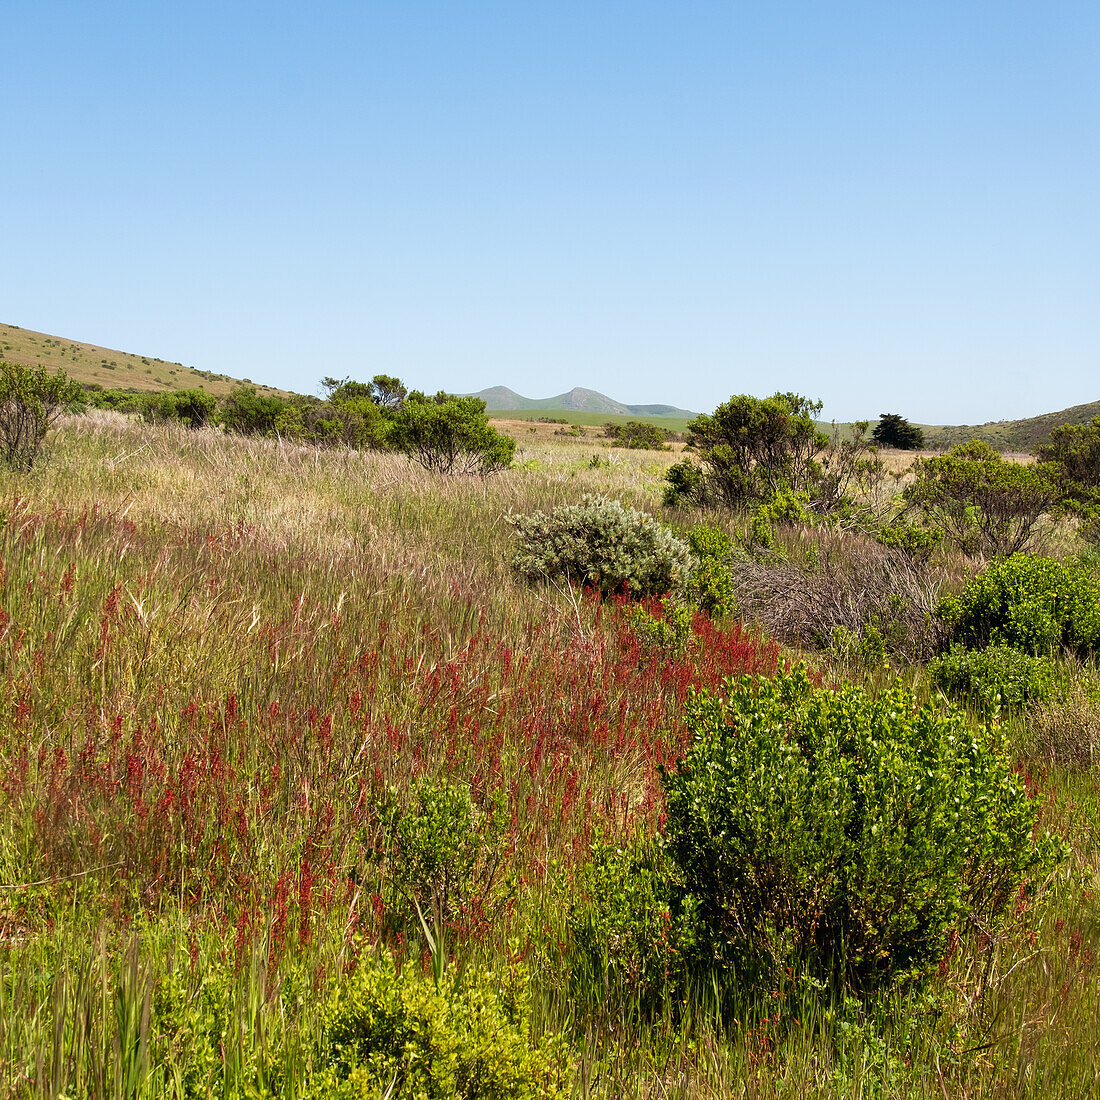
<point>31,401</point>
<point>637,435</point>
<point>448,434</point>
<point>986,505</point>
<point>752,449</point>
<point>195,408</point>
<point>895,431</point>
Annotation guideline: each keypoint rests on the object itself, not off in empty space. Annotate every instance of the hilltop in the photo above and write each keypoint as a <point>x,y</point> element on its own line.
<point>90,364</point>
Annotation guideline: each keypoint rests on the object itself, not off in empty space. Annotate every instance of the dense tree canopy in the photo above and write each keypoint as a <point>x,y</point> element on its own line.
<point>894,430</point>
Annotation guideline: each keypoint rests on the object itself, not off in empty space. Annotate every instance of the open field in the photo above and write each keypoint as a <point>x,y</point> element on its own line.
<point>233,664</point>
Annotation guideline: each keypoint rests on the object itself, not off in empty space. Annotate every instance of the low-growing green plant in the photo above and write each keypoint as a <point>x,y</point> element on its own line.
<point>840,835</point>
<point>601,543</point>
<point>669,632</point>
<point>991,680</point>
<point>1032,603</point>
<point>711,584</point>
<point>622,945</point>
<point>446,847</point>
<point>397,1034</point>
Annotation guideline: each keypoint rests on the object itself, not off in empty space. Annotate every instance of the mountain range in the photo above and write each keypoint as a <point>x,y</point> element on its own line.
<point>578,399</point>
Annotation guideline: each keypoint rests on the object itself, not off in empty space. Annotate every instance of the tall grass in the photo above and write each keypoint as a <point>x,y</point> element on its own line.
<point>229,664</point>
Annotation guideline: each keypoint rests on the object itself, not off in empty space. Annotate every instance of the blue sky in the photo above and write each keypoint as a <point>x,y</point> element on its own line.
<point>885,206</point>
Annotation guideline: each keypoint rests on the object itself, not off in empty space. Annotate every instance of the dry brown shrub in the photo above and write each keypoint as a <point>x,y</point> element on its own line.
<point>1068,732</point>
<point>847,583</point>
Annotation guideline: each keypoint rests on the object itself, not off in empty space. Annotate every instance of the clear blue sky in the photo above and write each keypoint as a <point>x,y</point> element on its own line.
<point>890,206</point>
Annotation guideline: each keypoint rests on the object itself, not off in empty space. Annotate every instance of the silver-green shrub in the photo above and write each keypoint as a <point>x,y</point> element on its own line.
<point>601,543</point>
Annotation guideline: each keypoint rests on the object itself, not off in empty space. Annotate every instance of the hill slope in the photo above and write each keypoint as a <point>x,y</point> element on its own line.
<point>106,367</point>
<point>578,399</point>
<point>1011,435</point>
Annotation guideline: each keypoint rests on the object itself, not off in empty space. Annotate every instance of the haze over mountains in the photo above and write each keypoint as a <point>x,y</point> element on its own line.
<point>578,399</point>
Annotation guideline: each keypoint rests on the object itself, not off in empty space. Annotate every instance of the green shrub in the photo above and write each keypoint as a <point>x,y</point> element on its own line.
<point>669,632</point>
<point>31,401</point>
<point>984,504</point>
<point>1031,603</point>
<point>601,543</point>
<point>247,412</point>
<point>448,434</point>
<point>195,408</point>
<point>711,584</point>
<point>841,835</point>
<point>638,436</point>
<point>446,848</point>
<point>401,1035</point>
<point>621,945</point>
<point>991,679</point>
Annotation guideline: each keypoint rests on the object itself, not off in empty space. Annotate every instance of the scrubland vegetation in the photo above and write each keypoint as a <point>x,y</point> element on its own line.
<point>326,773</point>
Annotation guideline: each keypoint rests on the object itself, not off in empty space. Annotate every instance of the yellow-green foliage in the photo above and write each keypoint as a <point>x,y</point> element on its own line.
<point>466,1037</point>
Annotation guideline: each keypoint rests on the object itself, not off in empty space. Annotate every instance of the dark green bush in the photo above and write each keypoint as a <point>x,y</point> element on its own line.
<point>195,408</point>
<point>601,543</point>
<point>638,436</point>
<point>247,412</point>
<point>839,835</point>
<point>448,434</point>
<point>991,679</point>
<point>1031,603</point>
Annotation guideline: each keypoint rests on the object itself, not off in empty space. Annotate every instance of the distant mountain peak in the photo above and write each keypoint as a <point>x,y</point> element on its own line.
<point>578,399</point>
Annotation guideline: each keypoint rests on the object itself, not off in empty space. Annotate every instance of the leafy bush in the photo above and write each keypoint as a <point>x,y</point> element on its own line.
<point>984,504</point>
<point>750,448</point>
<point>991,679</point>
<point>711,584</point>
<point>842,835</point>
<point>401,1035</point>
<point>442,839</point>
<point>636,435</point>
<point>448,434</point>
<point>620,931</point>
<point>601,543</point>
<point>669,632</point>
<point>31,401</point>
<point>1031,603</point>
<point>195,408</point>
<point>247,412</point>
<point>1076,448</point>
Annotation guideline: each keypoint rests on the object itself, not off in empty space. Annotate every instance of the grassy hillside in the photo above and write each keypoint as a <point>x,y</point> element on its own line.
<point>1011,435</point>
<point>113,370</point>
